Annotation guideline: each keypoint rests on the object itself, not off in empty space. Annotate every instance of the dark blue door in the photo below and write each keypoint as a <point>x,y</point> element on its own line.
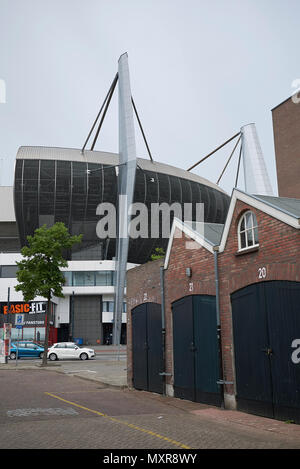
<point>196,363</point>
<point>266,329</point>
<point>147,347</point>
<point>252,367</point>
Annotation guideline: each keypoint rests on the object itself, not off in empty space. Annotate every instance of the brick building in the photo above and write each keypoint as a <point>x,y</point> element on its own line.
<point>286,124</point>
<point>240,280</point>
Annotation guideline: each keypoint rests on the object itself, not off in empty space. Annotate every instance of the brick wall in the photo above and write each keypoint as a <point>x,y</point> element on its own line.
<point>286,125</point>
<point>278,253</point>
<point>143,286</point>
<point>185,253</point>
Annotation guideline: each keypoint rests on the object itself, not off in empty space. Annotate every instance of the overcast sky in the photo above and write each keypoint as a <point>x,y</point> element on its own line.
<point>200,69</point>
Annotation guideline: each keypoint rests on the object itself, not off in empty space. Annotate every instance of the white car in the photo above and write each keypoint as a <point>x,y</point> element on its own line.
<point>69,350</point>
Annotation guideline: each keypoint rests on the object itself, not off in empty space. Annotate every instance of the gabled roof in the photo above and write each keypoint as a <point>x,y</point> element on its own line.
<point>206,235</point>
<point>285,204</point>
<point>281,208</point>
<point>210,235</point>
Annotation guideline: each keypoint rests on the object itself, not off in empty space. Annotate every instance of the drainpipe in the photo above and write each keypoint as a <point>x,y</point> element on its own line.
<point>221,381</point>
<point>163,327</point>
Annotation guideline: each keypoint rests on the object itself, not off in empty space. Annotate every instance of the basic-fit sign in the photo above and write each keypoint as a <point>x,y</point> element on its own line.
<point>19,308</point>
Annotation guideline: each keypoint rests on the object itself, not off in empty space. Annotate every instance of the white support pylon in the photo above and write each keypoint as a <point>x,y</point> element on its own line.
<point>256,176</point>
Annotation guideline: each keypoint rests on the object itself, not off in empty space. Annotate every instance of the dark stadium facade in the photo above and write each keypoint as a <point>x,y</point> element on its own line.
<point>67,185</point>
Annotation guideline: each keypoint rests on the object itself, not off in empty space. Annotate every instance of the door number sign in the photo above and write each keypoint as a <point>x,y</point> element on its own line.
<point>262,272</point>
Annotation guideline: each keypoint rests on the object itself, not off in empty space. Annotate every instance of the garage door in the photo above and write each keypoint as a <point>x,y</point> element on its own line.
<point>196,368</point>
<point>147,348</point>
<point>86,321</point>
<point>266,330</point>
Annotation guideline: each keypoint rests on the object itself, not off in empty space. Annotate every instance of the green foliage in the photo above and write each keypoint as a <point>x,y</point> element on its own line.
<point>159,254</point>
<point>39,272</point>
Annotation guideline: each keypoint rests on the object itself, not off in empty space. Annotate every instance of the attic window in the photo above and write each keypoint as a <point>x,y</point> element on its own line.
<point>248,231</point>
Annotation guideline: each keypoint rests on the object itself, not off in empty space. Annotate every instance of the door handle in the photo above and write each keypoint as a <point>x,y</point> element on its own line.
<point>192,347</point>
<point>267,351</point>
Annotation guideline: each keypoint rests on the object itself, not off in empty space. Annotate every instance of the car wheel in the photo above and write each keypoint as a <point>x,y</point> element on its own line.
<point>53,357</point>
<point>41,355</point>
<point>84,356</point>
<point>13,356</point>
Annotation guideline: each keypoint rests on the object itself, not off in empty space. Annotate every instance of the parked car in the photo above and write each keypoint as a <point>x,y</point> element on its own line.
<point>69,350</point>
<point>25,349</point>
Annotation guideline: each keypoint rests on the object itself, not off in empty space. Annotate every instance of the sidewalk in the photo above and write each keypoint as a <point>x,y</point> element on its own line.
<point>110,370</point>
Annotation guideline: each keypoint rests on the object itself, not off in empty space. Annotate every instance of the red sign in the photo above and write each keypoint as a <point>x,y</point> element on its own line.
<point>19,308</point>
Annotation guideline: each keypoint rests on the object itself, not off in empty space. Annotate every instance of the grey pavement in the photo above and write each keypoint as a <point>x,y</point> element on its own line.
<point>109,370</point>
<point>42,409</point>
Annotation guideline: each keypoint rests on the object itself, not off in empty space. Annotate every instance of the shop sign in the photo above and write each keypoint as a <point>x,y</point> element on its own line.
<point>29,308</point>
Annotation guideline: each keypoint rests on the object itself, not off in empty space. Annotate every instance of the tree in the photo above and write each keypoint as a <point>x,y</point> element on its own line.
<point>39,272</point>
<point>159,254</point>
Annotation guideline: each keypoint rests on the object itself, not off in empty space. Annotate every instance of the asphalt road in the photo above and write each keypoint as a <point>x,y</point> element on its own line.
<point>41,409</point>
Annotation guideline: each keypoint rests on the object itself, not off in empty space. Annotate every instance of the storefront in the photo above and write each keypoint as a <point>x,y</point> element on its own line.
<point>34,327</point>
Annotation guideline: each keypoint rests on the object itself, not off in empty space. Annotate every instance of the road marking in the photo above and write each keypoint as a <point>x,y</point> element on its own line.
<point>40,411</point>
<point>130,425</point>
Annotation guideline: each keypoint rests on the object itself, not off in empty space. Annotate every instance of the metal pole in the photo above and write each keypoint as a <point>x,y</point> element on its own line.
<point>163,326</point>
<point>238,168</point>
<point>72,316</point>
<point>214,151</point>
<point>141,128</point>
<point>8,313</point>
<point>17,352</point>
<point>227,163</point>
<point>98,115</point>
<point>219,326</point>
<point>105,110</point>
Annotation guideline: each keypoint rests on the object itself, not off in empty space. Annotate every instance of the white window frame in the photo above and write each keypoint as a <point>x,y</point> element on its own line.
<point>254,226</point>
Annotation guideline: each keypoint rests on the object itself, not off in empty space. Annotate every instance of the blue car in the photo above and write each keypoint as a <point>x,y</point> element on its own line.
<point>25,349</point>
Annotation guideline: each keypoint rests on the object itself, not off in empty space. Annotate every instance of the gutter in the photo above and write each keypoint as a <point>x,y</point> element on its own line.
<point>163,327</point>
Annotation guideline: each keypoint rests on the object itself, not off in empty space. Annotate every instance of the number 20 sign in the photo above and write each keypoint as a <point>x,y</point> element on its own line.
<point>262,272</point>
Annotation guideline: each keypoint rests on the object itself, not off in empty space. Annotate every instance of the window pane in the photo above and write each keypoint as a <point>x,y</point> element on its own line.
<point>243,240</point>
<point>89,279</point>
<point>40,334</point>
<point>242,227</point>
<point>78,279</point>
<point>254,220</point>
<point>83,279</point>
<point>102,278</point>
<point>250,238</point>
<point>256,235</point>
<point>249,220</point>
<point>28,333</point>
<point>14,334</point>
<point>68,277</point>
<point>9,271</point>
